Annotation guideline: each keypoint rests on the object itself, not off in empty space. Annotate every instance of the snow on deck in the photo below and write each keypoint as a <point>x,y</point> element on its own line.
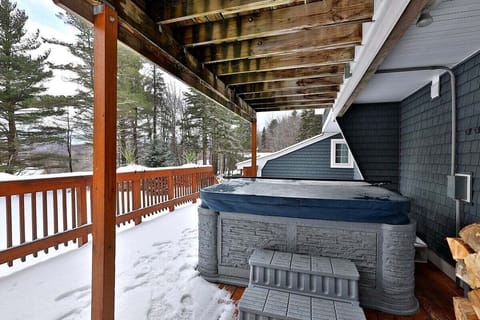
<point>155,278</point>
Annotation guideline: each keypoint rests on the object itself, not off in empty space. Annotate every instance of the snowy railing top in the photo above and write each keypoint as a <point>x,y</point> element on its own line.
<point>41,212</point>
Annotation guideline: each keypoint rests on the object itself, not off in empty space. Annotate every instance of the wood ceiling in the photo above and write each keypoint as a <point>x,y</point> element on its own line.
<point>248,55</point>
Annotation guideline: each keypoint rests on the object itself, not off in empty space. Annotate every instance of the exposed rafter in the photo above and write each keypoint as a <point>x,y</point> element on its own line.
<point>330,90</point>
<point>275,22</point>
<point>288,84</point>
<point>336,36</point>
<point>294,107</point>
<point>289,61</point>
<point>282,75</point>
<point>169,11</point>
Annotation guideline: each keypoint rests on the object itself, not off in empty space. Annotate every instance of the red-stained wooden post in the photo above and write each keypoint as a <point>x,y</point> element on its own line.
<point>136,195</point>
<point>171,190</point>
<point>194,186</point>
<point>104,171</point>
<point>254,148</point>
<point>82,211</point>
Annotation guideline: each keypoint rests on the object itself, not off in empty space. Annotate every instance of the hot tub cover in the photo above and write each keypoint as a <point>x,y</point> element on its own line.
<point>328,200</point>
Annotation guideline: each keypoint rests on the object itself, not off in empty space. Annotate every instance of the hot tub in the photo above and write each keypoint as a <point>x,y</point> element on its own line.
<point>328,200</point>
<point>352,220</point>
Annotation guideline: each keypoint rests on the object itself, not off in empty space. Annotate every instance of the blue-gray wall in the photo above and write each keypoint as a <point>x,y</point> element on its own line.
<point>310,162</point>
<point>372,132</point>
<point>424,133</point>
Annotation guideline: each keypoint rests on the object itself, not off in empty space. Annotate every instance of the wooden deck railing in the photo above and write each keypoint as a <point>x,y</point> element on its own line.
<point>38,214</point>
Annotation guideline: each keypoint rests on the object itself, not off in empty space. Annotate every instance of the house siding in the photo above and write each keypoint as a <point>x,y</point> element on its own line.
<point>372,133</point>
<point>310,162</point>
<point>425,156</point>
<point>422,148</point>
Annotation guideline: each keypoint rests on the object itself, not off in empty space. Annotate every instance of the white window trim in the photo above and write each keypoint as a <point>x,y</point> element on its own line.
<point>333,164</point>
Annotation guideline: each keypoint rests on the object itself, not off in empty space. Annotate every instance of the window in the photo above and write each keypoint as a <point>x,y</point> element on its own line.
<point>340,156</point>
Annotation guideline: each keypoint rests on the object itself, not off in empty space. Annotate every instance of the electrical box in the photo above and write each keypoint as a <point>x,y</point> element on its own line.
<point>459,187</point>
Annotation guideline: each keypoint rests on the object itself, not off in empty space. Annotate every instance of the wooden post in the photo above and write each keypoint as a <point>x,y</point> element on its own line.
<point>104,162</point>
<point>82,211</point>
<point>171,190</point>
<point>136,195</point>
<point>194,186</point>
<point>254,148</point>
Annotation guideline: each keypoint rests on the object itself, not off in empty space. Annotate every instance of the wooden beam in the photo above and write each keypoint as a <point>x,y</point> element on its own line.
<point>170,11</point>
<point>288,61</point>
<point>274,103</point>
<point>336,36</point>
<point>408,18</point>
<point>294,107</point>
<point>138,31</point>
<point>254,148</point>
<point>275,22</point>
<point>288,84</point>
<point>291,93</point>
<point>104,162</point>
<point>282,75</point>
<point>304,98</point>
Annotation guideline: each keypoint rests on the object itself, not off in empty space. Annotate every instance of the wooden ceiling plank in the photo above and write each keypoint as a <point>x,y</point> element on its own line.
<point>294,107</point>
<point>312,59</point>
<point>288,84</point>
<point>314,95</point>
<point>278,102</point>
<point>139,32</point>
<point>291,93</point>
<point>336,36</point>
<point>170,11</point>
<point>282,75</point>
<point>276,22</point>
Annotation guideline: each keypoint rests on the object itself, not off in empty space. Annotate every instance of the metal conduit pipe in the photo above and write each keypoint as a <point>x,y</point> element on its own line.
<point>458,221</point>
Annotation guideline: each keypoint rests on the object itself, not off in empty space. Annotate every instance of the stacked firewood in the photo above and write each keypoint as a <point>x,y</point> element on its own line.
<point>466,251</point>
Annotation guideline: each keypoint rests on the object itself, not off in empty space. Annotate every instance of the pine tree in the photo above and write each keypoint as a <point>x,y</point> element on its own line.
<point>82,75</point>
<point>24,108</point>
<point>156,91</point>
<point>197,123</point>
<point>310,124</point>
<point>131,102</point>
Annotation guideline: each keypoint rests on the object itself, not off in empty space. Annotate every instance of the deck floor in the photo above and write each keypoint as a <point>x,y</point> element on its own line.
<point>434,291</point>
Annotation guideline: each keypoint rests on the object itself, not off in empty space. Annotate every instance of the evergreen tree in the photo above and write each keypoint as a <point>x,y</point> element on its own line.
<point>24,108</point>
<point>263,139</point>
<point>156,90</point>
<point>158,155</point>
<point>197,123</point>
<point>82,74</point>
<point>310,124</point>
<point>131,102</point>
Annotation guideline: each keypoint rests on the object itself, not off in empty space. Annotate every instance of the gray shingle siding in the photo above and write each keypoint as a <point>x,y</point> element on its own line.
<point>422,146</point>
<point>425,135</point>
<point>310,162</point>
<point>371,131</point>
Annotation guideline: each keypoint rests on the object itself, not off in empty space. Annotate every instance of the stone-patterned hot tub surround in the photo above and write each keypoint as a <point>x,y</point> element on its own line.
<point>383,254</point>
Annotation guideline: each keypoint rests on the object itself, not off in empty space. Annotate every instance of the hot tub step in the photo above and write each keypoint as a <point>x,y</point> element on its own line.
<point>331,278</point>
<point>268,304</point>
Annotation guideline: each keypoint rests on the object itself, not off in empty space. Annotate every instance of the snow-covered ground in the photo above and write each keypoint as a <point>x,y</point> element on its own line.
<point>155,278</point>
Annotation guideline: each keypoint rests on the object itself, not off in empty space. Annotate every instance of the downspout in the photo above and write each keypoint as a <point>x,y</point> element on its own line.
<point>458,221</point>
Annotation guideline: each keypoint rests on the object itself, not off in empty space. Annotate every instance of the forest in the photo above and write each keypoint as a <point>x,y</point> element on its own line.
<point>158,122</point>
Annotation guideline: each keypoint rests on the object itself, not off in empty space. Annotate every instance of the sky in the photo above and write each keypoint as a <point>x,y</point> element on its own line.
<point>42,17</point>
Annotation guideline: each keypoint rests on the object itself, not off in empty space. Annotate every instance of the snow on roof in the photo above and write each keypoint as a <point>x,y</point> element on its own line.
<point>302,144</point>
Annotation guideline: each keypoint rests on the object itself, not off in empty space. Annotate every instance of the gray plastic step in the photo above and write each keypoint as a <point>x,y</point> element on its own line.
<point>324,277</point>
<point>268,304</point>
